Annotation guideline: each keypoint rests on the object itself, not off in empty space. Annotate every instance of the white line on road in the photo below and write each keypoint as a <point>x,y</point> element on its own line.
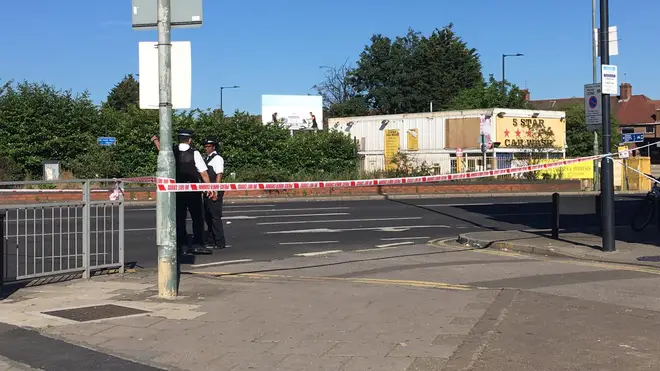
<point>226,262</point>
<point>390,246</point>
<point>319,253</point>
<point>307,242</point>
<point>250,217</point>
<point>477,204</point>
<point>404,238</point>
<point>339,220</point>
<point>381,229</point>
<point>277,210</point>
<point>245,206</point>
<point>395,244</point>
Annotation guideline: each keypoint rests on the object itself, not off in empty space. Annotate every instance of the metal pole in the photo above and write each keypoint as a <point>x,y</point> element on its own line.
<point>168,285</point>
<point>607,172</point>
<point>503,79</point>
<point>483,150</point>
<point>223,112</point>
<point>596,150</point>
<point>594,47</point>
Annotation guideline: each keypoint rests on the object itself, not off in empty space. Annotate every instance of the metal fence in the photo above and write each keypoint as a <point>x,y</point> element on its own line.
<point>57,238</point>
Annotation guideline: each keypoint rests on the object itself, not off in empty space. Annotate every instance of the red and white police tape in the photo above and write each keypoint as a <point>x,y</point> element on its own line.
<point>170,185</point>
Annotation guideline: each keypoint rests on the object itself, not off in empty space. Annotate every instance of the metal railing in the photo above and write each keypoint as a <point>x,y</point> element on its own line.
<point>58,238</point>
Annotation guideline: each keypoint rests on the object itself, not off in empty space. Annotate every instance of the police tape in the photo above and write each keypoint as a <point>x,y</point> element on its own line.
<point>170,185</point>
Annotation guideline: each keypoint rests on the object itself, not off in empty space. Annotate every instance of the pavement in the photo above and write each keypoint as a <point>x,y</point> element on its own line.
<point>410,308</point>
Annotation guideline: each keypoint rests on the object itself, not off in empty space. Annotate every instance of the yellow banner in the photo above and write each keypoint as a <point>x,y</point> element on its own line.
<point>580,170</point>
<point>392,146</point>
<point>526,132</point>
<point>413,140</point>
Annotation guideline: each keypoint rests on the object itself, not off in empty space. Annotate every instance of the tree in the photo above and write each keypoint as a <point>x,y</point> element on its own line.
<point>39,122</point>
<point>340,98</point>
<point>124,93</point>
<point>580,139</point>
<point>408,73</point>
<point>490,95</point>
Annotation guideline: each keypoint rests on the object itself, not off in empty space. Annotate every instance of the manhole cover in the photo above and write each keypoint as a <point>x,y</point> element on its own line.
<point>94,313</point>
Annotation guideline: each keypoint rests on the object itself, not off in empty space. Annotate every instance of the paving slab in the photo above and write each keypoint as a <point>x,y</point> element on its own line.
<point>575,245</point>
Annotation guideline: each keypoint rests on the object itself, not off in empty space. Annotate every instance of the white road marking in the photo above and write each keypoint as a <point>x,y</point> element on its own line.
<point>226,262</point>
<point>319,253</point>
<point>307,242</point>
<point>395,244</point>
<point>248,217</point>
<point>244,206</point>
<point>381,229</point>
<point>403,238</point>
<point>277,210</point>
<point>386,247</point>
<point>339,220</point>
<point>477,204</point>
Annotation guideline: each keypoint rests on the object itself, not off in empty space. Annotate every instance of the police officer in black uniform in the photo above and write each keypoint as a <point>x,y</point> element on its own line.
<point>190,168</point>
<point>213,205</point>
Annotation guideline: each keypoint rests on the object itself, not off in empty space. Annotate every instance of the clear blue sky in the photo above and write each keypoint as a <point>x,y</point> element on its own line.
<point>276,47</point>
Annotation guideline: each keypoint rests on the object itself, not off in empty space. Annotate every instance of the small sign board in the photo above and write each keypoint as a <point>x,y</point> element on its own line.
<point>459,152</point>
<point>609,79</point>
<point>593,111</point>
<point>632,138</point>
<point>183,14</point>
<point>623,152</point>
<point>106,141</point>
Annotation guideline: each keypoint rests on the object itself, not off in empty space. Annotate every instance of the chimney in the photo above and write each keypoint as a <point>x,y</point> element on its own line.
<point>527,95</point>
<point>625,91</point>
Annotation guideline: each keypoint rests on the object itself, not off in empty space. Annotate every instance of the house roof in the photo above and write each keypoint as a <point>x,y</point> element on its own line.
<point>638,109</point>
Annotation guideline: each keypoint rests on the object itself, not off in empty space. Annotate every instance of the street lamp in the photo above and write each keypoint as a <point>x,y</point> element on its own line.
<point>508,55</point>
<point>223,88</point>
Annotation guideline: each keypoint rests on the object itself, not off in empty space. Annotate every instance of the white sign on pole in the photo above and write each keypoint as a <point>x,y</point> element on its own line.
<point>613,39</point>
<point>609,79</point>
<point>593,111</point>
<point>181,75</point>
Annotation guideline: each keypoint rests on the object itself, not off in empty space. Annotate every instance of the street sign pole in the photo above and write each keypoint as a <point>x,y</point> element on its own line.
<point>607,168</point>
<point>168,273</point>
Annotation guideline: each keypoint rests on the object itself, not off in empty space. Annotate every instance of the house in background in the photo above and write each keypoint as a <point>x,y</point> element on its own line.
<point>634,113</point>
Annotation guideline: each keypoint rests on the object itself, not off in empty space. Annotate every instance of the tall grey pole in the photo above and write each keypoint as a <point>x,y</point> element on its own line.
<point>594,46</point>
<point>594,55</point>
<point>168,275</point>
<point>607,167</point>
<point>223,112</point>
<point>503,79</point>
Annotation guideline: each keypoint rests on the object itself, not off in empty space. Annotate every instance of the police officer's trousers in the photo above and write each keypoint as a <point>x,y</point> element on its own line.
<point>189,202</point>
<point>213,216</point>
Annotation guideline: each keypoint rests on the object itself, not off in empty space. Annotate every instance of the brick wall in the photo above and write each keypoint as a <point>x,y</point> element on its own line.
<point>421,189</point>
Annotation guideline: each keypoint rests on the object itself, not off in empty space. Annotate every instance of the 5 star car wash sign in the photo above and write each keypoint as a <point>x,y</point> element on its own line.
<point>530,132</point>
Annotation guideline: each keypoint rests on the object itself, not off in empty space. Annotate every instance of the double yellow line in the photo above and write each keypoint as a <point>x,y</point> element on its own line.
<point>373,281</point>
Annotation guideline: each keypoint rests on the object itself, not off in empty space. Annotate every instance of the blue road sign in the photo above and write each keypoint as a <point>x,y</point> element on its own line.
<point>593,102</point>
<point>633,138</point>
<point>106,141</point>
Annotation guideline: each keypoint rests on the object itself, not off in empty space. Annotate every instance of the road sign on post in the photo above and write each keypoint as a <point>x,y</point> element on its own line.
<point>609,79</point>
<point>632,138</point>
<point>183,14</point>
<point>106,141</point>
<point>165,14</point>
<point>593,110</point>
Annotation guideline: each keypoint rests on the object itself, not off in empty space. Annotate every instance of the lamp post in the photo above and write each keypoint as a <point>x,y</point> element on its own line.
<point>508,55</point>
<point>223,88</point>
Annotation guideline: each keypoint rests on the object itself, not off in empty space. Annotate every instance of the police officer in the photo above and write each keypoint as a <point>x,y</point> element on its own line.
<point>190,168</point>
<point>213,205</point>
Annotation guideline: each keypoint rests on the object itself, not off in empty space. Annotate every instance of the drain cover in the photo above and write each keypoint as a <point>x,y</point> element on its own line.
<point>94,313</point>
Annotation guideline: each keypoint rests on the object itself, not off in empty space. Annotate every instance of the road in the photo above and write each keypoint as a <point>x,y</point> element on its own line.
<point>280,230</point>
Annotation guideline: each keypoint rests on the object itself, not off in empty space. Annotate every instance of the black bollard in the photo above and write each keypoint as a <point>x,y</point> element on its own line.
<point>555,215</point>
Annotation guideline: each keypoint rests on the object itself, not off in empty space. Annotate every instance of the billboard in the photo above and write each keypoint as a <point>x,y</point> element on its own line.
<point>293,111</point>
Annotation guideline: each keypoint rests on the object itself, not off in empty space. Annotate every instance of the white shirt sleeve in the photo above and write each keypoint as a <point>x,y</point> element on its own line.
<point>199,162</point>
<point>218,164</point>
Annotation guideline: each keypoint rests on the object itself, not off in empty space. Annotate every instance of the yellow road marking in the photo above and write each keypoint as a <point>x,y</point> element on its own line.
<point>388,282</point>
<point>565,260</point>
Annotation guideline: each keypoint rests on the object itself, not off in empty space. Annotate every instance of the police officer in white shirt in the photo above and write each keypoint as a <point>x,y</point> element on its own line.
<point>213,205</point>
<point>190,168</point>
